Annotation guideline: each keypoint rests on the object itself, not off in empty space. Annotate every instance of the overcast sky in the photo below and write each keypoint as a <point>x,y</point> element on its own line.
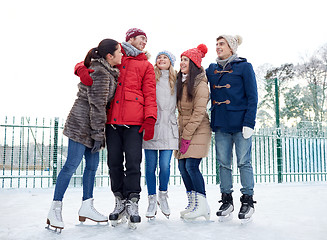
<point>41,41</point>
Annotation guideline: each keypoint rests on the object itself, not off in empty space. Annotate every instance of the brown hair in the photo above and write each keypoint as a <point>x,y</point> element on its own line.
<point>105,46</point>
<point>193,72</point>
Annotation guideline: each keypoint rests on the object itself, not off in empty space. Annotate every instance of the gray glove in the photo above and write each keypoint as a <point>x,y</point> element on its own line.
<point>96,147</point>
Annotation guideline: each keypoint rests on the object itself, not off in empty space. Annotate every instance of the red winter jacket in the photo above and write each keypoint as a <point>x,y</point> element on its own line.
<point>135,97</point>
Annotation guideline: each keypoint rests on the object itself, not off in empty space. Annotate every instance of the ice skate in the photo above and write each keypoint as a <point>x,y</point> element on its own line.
<point>132,210</point>
<point>152,208</point>
<point>163,203</point>
<point>247,208</point>
<point>87,211</point>
<point>190,205</point>
<point>55,217</point>
<point>118,214</point>
<point>225,212</point>
<point>201,208</point>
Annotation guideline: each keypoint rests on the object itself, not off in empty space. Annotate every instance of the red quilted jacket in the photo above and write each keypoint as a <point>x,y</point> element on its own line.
<point>135,97</point>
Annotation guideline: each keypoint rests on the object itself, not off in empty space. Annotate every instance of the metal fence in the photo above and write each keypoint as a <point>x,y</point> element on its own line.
<point>33,151</point>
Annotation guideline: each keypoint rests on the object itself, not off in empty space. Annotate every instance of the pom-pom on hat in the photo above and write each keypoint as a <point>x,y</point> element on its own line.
<point>171,56</point>
<point>233,41</point>
<point>196,54</point>
<point>134,32</point>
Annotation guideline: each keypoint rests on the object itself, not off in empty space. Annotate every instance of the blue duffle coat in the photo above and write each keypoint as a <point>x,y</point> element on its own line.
<point>234,96</point>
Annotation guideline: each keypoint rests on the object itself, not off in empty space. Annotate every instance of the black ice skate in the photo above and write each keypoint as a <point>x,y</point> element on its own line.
<point>247,208</point>
<point>132,210</point>
<point>225,212</point>
<point>118,215</point>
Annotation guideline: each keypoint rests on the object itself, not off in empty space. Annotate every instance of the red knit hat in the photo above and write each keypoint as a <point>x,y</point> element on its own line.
<point>134,32</point>
<point>196,54</point>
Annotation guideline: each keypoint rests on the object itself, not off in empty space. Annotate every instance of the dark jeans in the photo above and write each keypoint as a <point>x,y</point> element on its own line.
<point>191,175</point>
<point>124,145</point>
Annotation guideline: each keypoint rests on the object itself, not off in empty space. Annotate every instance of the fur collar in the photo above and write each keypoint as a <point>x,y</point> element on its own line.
<point>200,77</point>
<point>114,71</point>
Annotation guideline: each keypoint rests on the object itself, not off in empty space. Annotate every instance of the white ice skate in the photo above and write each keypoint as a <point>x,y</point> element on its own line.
<point>201,208</point>
<point>152,208</point>
<point>132,211</point>
<point>190,204</point>
<point>118,215</point>
<point>87,211</point>
<point>163,203</point>
<point>55,217</point>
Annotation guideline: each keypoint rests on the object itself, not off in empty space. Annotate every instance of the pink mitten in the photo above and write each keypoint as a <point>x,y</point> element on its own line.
<point>184,145</point>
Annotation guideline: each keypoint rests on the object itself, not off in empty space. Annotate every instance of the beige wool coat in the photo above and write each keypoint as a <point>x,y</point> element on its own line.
<point>193,120</point>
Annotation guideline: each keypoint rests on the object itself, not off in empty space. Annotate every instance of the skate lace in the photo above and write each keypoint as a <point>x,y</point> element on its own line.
<point>224,205</point>
<point>189,198</point>
<point>152,203</point>
<point>58,214</point>
<point>95,211</point>
<point>196,205</point>
<point>132,208</point>
<point>119,206</point>
<point>163,201</point>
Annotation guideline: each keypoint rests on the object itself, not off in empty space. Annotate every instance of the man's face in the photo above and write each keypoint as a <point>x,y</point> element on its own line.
<point>139,42</point>
<point>223,50</point>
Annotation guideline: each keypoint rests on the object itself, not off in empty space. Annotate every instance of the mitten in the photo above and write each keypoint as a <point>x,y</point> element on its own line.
<point>184,145</point>
<point>84,74</point>
<point>96,146</point>
<point>247,132</point>
<point>148,127</point>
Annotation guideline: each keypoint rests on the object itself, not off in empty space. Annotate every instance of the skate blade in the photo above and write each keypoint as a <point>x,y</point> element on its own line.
<point>115,223</point>
<point>132,226</point>
<point>166,215</point>
<point>54,230</point>
<point>246,221</point>
<point>150,219</point>
<point>226,218</point>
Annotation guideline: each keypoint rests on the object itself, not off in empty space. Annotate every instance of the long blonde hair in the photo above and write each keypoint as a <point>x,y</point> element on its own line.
<point>172,77</point>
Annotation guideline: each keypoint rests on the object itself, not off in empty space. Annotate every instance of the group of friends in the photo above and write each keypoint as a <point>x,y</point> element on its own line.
<point>128,105</point>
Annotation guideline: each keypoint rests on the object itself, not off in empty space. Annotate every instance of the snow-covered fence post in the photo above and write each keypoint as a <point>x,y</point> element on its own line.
<point>55,151</point>
<point>278,135</point>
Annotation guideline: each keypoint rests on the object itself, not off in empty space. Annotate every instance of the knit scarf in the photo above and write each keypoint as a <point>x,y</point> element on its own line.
<point>130,50</point>
<point>224,62</point>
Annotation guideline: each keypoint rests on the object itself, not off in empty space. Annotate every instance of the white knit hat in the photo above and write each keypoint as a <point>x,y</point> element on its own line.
<point>233,41</point>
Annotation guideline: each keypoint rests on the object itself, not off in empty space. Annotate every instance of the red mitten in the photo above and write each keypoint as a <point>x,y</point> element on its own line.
<point>84,74</point>
<point>184,145</point>
<point>148,127</point>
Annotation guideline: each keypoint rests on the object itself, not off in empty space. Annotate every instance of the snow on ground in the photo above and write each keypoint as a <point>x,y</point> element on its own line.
<point>284,211</point>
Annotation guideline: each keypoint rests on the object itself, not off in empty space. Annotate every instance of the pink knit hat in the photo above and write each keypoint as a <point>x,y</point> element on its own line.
<point>134,32</point>
<point>196,54</point>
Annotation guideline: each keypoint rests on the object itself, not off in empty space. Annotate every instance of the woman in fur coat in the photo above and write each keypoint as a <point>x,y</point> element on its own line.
<point>85,127</point>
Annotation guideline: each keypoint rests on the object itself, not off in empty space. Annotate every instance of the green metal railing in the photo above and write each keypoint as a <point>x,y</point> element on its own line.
<point>33,151</point>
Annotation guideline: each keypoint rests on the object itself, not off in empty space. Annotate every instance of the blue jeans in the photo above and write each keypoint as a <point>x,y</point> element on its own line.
<point>151,162</point>
<point>191,175</point>
<point>74,157</point>
<point>224,148</point>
